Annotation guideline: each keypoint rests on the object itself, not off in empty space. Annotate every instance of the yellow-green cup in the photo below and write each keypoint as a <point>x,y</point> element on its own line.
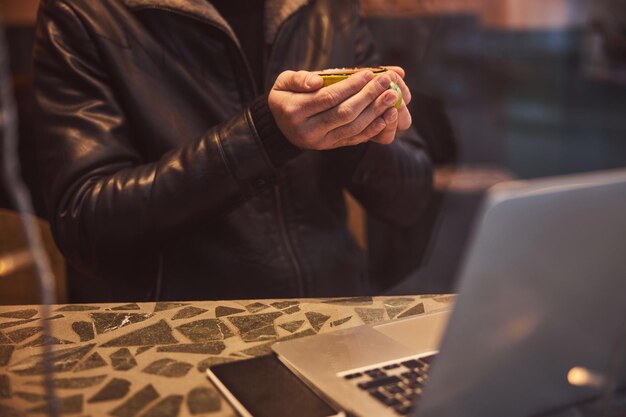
<point>334,75</point>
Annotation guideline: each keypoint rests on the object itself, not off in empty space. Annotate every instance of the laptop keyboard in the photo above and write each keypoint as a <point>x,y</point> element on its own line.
<point>396,385</point>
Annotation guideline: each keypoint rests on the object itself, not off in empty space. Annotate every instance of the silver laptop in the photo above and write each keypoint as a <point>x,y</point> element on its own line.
<point>539,323</point>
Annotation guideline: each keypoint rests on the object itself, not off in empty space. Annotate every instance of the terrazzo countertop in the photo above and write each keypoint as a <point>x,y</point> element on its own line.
<point>148,359</point>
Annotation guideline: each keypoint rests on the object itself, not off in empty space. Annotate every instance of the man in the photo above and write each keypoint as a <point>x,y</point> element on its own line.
<point>171,174</point>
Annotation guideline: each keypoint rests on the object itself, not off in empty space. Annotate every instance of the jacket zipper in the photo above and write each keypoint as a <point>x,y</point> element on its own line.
<point>252,82</point>
<point>277,194</point>
<point>287,241</point>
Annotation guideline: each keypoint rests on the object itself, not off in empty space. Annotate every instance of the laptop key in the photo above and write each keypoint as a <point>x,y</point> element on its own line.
<point>375,373</point>
<point>391,366</point>
<point>353,376</point>
<point>375,383</point>
<point>414,384</point>
<point>394,389</point>
<point>412,364</point>
<point>411,375</point>
<point>403,410</point>
<point>412,395</point>
<point>388,401</point>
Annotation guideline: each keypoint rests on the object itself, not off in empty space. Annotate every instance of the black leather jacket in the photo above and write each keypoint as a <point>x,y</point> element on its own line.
<point>156,181</point>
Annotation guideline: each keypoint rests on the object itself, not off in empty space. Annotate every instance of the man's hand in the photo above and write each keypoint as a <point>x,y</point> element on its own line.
<point>355,110</point>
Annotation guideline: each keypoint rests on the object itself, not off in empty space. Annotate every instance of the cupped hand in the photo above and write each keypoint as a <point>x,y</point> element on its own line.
<point>356,110</point>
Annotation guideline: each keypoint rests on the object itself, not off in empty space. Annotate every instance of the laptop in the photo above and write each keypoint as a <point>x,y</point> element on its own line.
<point>539,322</point>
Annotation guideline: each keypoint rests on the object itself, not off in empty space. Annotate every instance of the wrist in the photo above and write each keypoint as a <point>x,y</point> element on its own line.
<point>278,148</point>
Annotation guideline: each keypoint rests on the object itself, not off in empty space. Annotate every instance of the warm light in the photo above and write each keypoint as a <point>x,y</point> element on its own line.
<point>14,262</point>
<point>3,266</point>
<point>583,377</point>
<point>521,327</point>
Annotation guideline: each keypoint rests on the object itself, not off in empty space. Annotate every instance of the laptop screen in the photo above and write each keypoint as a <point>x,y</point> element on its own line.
<point>540,321</point>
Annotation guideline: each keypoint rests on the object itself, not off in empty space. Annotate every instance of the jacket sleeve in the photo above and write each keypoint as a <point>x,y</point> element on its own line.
<point>103,199</point>
<point>393,182</point>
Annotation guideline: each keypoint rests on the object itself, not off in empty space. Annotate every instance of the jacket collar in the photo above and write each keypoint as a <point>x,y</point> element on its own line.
<point>276,12</point>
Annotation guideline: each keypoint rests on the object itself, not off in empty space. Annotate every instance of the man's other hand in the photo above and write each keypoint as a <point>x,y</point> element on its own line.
<point>355,110</point>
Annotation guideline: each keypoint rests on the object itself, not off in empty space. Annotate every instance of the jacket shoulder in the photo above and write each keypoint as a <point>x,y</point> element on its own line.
<point>93,9</point>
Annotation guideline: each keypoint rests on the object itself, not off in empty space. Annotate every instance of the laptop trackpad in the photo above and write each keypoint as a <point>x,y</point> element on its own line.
<point>421,334</point>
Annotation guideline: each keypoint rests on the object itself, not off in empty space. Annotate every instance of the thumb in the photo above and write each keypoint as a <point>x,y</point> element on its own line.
<point>298,82</point>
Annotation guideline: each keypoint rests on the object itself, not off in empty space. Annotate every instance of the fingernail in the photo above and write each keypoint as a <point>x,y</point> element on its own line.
<point>390,99</point>
<point>368,75</point>
<point>384,81</point>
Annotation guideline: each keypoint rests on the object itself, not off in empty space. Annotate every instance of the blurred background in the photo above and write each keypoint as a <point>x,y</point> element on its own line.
<point>511,89</point>
<point>505,89</point>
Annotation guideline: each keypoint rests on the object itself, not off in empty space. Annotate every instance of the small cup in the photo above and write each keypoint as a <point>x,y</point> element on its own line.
<point>334,75</point>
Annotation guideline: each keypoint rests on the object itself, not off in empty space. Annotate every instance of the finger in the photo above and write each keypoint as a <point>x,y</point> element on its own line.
<point>387,135</point>
<point>404,118</point>
<point>375,128</point>
<point>353,108</point>
<point>375,109</point>
<point>298,82</point>
<point>396,78</point>
<point>333,95</point>
<point>398,70</point>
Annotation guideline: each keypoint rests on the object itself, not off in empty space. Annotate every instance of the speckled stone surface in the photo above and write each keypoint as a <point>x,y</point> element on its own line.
<point>148,359</point>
